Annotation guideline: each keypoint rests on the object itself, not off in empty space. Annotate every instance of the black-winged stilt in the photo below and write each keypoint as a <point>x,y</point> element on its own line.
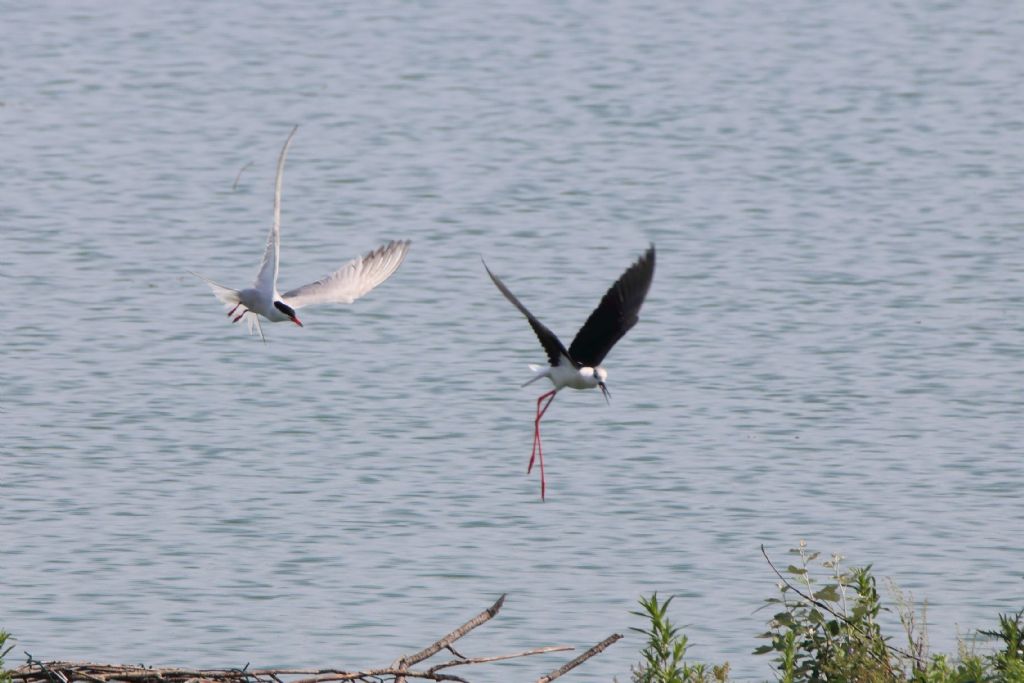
<point>579,366</point>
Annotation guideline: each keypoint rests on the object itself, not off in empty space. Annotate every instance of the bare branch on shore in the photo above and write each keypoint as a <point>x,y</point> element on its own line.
<point>36,671</point>
<point>447,640</point>
<point>569,666</point>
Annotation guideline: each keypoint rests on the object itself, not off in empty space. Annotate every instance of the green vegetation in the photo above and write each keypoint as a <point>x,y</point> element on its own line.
<point>825,628</point>
<point>4,649</point>
<point>662,658</point>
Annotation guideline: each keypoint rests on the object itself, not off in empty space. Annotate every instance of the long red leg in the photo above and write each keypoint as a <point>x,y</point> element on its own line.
<point>239,316</point>
<point>232,311</point>
<point>536,427</point>
<point>550,396</point>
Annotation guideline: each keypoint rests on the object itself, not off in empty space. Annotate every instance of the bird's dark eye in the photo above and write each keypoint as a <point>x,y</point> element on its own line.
<point>285,308</point>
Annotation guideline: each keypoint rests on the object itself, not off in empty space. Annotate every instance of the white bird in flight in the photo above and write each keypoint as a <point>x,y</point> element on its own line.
<point>579,366</point>
<point>350,282</point>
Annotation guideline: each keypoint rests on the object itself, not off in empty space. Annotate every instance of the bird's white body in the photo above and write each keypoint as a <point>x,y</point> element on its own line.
<point>566,375</point>
<point>261,302</point>
<point>345,285</point>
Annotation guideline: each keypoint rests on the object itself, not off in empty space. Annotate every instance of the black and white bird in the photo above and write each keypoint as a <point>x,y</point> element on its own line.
<point>343,286</point>
<point>579,367</point>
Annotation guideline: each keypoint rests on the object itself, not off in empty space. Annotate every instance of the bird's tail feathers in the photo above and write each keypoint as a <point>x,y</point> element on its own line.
<point>227,296</point>
<point>539,372</point>
<point>232,299</point>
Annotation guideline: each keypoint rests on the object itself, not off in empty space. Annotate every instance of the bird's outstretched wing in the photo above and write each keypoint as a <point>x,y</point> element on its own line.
<point>352,280</point>
<point>266,279</point>
<point>552,346</point>
<point>615,315</point>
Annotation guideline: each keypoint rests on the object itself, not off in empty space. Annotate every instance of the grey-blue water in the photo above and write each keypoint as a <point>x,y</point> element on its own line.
<point>832,349</point>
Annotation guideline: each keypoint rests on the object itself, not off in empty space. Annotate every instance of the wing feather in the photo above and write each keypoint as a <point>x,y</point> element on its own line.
<point>615,315</point>
<point>266,279</point>
<point>353,280</point>
<point>551,343</point>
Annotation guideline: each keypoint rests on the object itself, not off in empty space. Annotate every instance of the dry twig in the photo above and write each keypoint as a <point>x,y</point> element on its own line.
<point>569,666</point>
<point>35,671</point>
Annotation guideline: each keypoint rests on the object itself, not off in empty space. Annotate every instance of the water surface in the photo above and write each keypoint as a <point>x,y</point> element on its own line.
<point>831,349</point>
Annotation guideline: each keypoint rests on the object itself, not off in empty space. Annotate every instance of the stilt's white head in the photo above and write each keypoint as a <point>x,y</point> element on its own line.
<point>602,375</point>
<point>595,377</point>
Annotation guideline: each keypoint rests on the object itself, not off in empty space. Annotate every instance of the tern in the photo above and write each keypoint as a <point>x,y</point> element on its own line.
<point>350,282</point>
<point>579,367</point>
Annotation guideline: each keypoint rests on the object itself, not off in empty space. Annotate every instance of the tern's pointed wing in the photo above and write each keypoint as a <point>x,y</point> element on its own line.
<point>616,313</point>
<point>266,279</point>
<point>352,280</point>
<point>552,346</point>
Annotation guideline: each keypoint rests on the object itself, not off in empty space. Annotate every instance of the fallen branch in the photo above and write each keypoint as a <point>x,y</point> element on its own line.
<point>447,640</point>
<point>36,671</point>
<point>569,666</point>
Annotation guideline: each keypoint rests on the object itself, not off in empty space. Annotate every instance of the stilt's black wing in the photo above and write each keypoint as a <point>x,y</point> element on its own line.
<point>615,315</point>
<point>548,340</point>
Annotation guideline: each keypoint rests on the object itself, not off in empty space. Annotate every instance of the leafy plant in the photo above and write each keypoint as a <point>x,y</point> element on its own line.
<point>666,647</point>
<point>830,631</point>
<point>1010,660</point>
<point>827,630</point>
<point>662,657</point>
<point>4,650</point>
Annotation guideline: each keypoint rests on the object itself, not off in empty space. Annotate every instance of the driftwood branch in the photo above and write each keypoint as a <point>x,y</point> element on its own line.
<point>569,666</point>
<point>36,671</point>
<point>446,641</point>
<point>498,658</point>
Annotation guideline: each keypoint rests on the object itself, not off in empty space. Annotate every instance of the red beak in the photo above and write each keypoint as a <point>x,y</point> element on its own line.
<point>296,320</point>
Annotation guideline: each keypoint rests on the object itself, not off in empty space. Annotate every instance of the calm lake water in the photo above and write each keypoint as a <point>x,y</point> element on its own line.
<point>832,349</point>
